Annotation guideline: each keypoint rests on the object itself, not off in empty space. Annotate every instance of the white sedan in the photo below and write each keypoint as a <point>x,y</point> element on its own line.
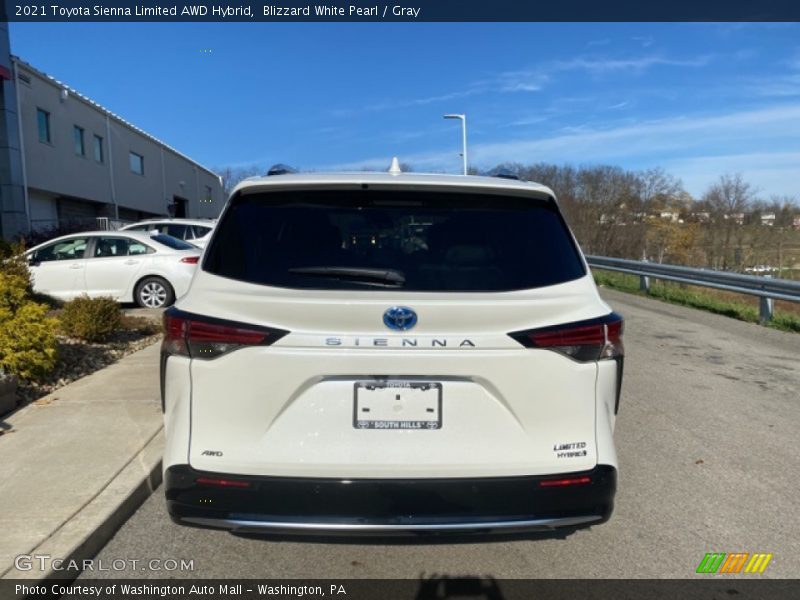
<point>149,269</point>
<point>194,231</point>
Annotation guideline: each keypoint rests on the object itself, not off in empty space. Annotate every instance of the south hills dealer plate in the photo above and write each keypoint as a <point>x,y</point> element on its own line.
<point>397,404</point>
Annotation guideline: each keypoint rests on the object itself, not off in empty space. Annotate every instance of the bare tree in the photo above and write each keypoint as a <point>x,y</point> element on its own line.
<point>725,202</point>
<point>233,175</point>
<point>656,192</point>
<point>617,212</point>
<point>783,207</point>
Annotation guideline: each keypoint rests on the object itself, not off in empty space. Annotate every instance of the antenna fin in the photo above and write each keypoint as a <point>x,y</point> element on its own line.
<point>394,168</point>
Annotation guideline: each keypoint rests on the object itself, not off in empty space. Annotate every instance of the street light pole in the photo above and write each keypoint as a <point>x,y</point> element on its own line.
<point>463,119</point>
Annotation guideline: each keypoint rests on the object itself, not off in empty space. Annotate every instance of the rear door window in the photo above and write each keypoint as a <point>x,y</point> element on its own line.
<point>106,247</point>
<point>136,248</point>
<point>372,239</point>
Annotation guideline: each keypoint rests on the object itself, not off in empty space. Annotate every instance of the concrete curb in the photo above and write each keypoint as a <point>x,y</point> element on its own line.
<point>84,534</point>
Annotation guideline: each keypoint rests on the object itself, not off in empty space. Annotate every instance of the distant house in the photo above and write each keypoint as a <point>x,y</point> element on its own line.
<point>738,218</point>
<point>768,219</point>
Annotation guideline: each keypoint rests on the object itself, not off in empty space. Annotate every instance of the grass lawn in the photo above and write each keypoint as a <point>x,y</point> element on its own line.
<point>739,306</point>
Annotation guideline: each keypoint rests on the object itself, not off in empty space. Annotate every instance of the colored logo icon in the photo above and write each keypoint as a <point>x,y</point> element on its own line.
<point>399,318</point>
<point>736,562</point>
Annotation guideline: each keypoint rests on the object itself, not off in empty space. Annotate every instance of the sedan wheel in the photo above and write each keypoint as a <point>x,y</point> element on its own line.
<point>154,292</point>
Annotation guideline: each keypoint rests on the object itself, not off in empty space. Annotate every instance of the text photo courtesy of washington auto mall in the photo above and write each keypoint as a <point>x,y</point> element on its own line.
<point>424,300</point>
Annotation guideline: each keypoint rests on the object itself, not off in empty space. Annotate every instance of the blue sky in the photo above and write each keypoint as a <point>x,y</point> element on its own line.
<point>697,99</point>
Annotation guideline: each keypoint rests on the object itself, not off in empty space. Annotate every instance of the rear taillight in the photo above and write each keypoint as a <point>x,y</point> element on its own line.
<point>584,341</point>
<point>565,481</point>
<point>196,336</point>
<point>220,482</point>
<point>190,260</point>
<point>614,329</point>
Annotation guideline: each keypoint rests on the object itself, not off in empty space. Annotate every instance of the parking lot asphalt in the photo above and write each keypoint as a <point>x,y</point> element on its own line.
<point>707,441</point>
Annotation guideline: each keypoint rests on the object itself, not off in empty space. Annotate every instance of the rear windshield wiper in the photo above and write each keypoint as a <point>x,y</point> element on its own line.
<point>377,277</point>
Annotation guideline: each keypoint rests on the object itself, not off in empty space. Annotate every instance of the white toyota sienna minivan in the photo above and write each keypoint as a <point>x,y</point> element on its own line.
<point>391,352</point>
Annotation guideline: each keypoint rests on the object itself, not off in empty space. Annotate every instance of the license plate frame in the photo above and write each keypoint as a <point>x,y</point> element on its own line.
<point>416,392</point>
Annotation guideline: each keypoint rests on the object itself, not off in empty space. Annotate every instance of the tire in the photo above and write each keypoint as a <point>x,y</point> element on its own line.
<point>154,292</point>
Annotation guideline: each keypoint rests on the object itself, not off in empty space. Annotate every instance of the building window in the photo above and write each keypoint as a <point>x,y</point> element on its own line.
<point>137,163</point>
<point>208,196</point>
<point>98,148</point>
<point>43,120</point>
<point>80,148</point>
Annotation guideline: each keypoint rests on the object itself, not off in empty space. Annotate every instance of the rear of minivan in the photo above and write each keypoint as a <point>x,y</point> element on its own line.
<point>371,353</point>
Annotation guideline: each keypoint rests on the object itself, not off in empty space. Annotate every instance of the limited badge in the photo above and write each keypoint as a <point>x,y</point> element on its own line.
<point>570,450</point>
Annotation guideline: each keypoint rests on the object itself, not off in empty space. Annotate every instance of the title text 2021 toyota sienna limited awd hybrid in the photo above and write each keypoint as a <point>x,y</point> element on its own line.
<point>391,352</point>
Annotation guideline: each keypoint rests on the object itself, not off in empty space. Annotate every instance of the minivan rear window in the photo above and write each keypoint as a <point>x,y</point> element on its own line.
<point>378,239</point>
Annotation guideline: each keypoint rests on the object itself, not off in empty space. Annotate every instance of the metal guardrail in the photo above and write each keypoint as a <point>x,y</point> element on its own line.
<point>766,288</point>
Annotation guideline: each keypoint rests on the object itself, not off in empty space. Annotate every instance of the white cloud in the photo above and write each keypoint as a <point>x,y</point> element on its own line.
<point>407,103</point>
<point>651,137</point>
<point>523,87</point>
<point>607,65</point>
<point>770,172</point>
<point>531,120</point>
<point>654,143</point>
<point>776,86</point>
<point>534,79</point>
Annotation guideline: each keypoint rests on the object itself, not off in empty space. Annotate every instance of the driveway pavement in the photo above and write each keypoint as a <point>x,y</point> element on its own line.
<point>71,460</point>
<point>707,439</point>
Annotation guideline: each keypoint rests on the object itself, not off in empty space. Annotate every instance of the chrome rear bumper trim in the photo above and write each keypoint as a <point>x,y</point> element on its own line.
<point>243,526</point>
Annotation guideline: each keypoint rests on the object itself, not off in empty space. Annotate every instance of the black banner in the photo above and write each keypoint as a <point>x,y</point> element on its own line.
<point>402,10</point>
<point>438,588</point>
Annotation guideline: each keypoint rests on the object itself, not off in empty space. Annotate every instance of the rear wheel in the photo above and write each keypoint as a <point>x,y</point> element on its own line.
<point>154,292</point>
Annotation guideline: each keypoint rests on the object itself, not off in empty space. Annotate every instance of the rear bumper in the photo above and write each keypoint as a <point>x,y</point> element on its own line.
<point>386,506</point>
